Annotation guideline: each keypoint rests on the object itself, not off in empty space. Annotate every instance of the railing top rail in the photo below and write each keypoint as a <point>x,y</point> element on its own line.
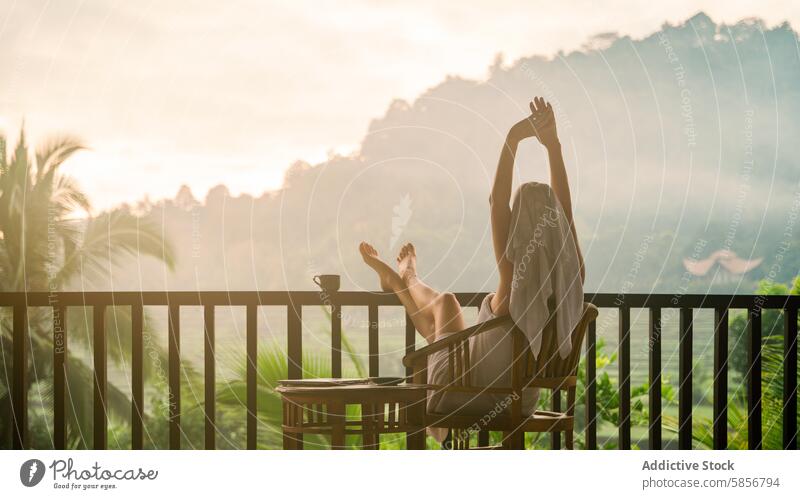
<point>361,298</point>
<point>709,301</point>
<point>197,298</point>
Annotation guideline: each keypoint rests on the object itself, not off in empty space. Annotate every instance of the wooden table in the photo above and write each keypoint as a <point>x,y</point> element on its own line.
<point>319,407</point>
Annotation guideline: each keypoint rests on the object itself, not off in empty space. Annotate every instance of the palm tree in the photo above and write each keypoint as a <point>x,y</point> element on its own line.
<point>49,238</point>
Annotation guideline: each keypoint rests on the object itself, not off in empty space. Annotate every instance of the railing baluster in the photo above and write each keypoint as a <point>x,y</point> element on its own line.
<point>137,367</point>
<point>59,376</point>
<point>100,378</point>
<point>624,377</point>
<point>411,340</point>
<point>591,387</point>
<point>720,378</point>
<point>252,380</point>
<point>19,389</point>
<point>210,377</point>
<point>373,340</point>
<point>654,391</point>
<point>174,354</point>
<point>336,339</point>
<point>295,341</point>
<point>754,379</point>
<point>790,378</point>
<point>99,301</point>
<point>685,374</point>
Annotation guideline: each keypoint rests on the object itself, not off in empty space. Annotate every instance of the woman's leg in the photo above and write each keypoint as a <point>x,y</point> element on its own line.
<point>432,312</point>
<point>423,294</point>
<point>442,309</point>
<point>392,282</point>
<point>447,314</point>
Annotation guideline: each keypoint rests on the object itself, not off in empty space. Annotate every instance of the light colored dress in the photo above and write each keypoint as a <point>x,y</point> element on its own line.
<point>490,354</point>
<point>546,265</point>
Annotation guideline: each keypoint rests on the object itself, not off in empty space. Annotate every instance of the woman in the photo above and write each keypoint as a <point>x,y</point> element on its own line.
<point>436,314</point>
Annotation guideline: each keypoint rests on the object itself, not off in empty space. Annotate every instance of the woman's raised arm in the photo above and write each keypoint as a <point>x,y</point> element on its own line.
<point>548,136</point>
<point>500,205</point>
<point>541,124</point>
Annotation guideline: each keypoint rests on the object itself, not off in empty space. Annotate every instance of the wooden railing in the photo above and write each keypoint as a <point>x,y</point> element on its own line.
<point>294,301</point>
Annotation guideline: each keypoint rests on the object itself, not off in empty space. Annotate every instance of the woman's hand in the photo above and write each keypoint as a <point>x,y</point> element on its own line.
<point>541,123</point>
<point>546,125</point>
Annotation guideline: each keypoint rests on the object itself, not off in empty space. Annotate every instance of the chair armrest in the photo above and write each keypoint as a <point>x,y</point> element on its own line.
<point>451,339</point>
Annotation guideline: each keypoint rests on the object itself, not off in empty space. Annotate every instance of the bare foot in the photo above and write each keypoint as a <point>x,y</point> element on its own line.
<point>389,279</point>
<point>407,262</point>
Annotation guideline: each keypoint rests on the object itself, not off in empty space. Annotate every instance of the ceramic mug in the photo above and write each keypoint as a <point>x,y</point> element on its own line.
<point>327,282</point>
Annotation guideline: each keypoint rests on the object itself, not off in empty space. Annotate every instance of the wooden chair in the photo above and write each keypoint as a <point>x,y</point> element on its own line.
<point>548,372</point>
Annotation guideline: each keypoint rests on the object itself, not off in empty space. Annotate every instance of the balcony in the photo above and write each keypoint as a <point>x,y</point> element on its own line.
<point>294,303</point>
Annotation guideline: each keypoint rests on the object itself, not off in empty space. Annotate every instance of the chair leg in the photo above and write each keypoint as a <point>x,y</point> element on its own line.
<point>292,441</point>
<point>568,440</point>
<point>483,438</point>
<point>555,436</point>
<point>449,442</point>
<point>415,440</point>
<point>513,440</point>
<point>555,440</point>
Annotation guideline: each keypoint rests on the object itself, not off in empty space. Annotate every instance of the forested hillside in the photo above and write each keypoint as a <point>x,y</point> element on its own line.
<point>677,145</point>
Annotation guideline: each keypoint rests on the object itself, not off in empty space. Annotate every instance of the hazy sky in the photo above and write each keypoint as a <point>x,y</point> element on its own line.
<point>174,92</point>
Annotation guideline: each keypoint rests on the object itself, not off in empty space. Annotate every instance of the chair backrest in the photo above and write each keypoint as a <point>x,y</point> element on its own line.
<point>549,363</point>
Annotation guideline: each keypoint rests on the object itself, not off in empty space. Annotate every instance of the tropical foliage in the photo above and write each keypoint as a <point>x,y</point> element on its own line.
<point>48,240</point>
<point>772,363</point>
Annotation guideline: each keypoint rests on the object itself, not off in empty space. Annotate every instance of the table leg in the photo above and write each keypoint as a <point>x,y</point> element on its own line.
<point>336,418</point>
<point>370,438</point>
<point>292,416</point>
<point>415,414</point>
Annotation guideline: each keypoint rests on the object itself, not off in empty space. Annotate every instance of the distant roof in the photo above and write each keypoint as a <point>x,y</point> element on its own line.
<point>726,259</point>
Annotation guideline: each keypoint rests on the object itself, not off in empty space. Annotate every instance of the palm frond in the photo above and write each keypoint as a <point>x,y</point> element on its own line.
<point>80,401</point>
<point>53,153</point>
<point>110,237</point>
<point>68,196</point>
<point>39,238</point>
<point>271,368</point>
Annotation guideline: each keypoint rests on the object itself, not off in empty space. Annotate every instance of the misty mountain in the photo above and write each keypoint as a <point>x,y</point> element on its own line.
<point>677,145</point>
